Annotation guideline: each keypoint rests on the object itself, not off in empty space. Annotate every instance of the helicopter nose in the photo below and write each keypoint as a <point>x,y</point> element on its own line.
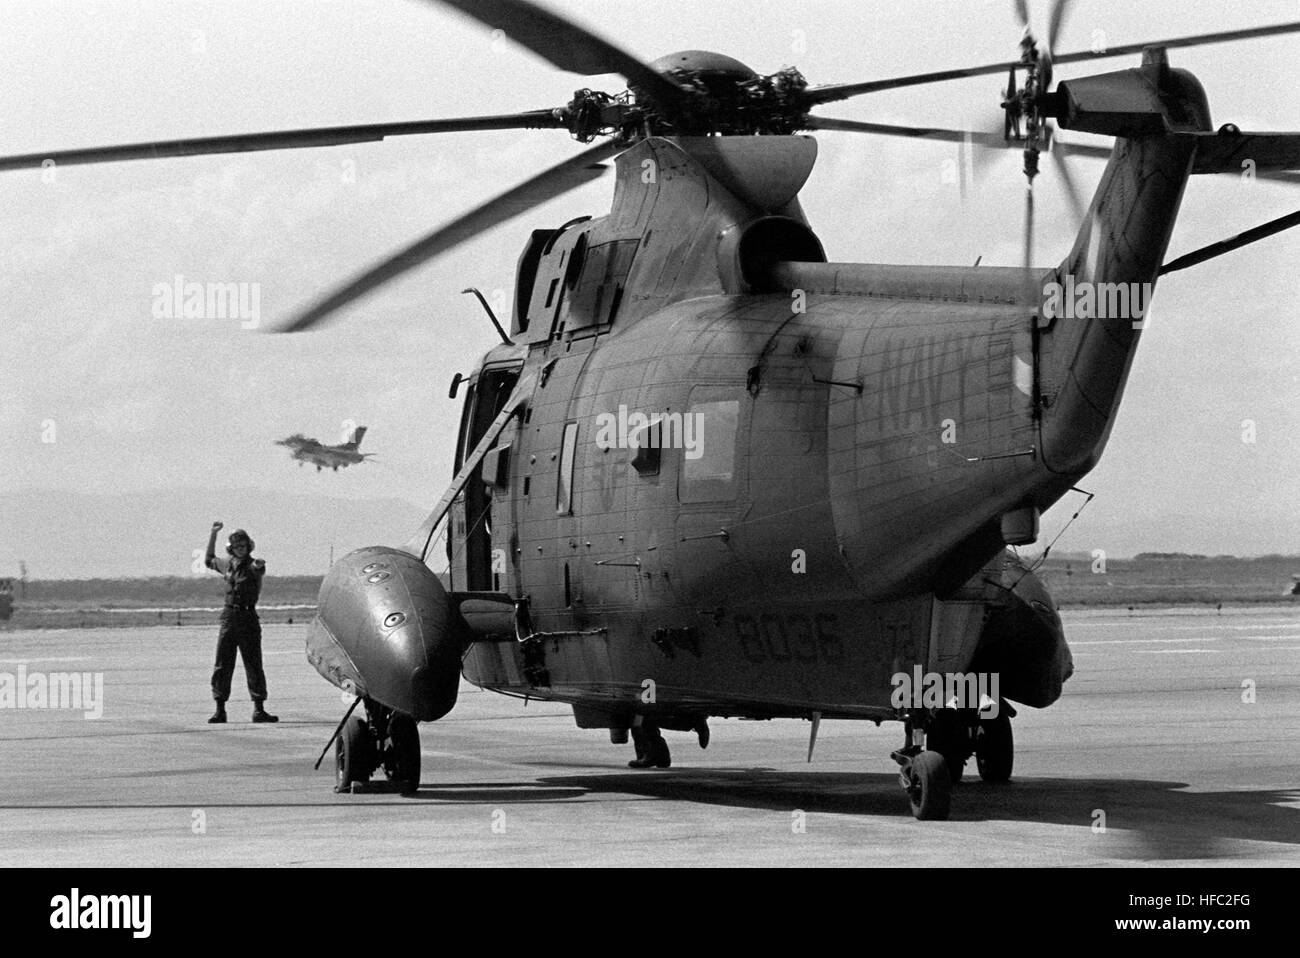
<point>385,629</point>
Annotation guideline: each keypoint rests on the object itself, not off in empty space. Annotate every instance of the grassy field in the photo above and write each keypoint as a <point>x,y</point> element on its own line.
<point>96,603</point>
<point>1169,581</point>
<point>1073,581</point>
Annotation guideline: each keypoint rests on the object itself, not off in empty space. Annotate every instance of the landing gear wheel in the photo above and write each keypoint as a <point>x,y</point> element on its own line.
<point>995,749</point>
<point>947,736</point>
<point>929,787</point>
<point>402,754</point>
<point>353,755</point>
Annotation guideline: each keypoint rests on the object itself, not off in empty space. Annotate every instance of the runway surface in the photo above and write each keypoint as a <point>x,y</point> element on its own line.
<point>1155,739</point>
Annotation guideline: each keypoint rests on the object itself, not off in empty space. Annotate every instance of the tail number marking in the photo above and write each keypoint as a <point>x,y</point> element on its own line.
<point>772,637</point>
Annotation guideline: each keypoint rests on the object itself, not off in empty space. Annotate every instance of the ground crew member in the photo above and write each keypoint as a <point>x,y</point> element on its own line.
<point>651,749</point>
<point>240,628</point>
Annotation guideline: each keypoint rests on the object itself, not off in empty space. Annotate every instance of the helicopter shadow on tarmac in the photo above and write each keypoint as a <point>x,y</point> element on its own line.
<point>1144,819</point>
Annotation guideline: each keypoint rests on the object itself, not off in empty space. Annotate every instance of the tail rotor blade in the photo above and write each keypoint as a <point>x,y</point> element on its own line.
<point>1071,187</point>
<point>1054,25</point>
<point>963,160</point>
<point>1028,261</point>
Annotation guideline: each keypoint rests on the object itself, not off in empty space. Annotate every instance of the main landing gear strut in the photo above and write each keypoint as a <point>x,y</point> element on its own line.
<point>383,739</point>
<point>937,745</point>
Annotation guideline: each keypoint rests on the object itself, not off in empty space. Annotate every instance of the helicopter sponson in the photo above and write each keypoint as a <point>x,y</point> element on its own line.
<point>415,636</point>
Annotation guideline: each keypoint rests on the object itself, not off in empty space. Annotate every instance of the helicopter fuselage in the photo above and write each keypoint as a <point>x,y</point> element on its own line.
<point>753,502</point>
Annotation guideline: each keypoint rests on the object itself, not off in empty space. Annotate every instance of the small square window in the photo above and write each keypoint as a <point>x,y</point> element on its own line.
<point>648,441</point>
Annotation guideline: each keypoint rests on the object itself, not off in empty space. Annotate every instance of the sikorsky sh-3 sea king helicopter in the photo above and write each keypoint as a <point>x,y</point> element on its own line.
<point>820,538</point>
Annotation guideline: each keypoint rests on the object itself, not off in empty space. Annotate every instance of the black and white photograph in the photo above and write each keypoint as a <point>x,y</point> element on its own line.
<point>593,433</point>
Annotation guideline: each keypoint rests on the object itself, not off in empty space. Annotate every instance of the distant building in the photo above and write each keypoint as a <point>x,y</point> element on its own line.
<point>6,599</point>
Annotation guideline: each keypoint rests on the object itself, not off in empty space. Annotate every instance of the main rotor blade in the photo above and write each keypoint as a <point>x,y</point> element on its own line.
<point>1253,235</point>
<point>281,140</point>
<point>826,94</point>
<point>993,140</point>
<point>545,186</point>
<point>568,46</point>
<point>916,132</point>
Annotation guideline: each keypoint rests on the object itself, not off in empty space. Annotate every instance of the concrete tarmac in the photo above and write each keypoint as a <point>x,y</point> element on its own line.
<point>1177,742</point>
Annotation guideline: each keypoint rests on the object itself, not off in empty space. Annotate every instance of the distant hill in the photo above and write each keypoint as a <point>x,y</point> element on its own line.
<point>70,535</point>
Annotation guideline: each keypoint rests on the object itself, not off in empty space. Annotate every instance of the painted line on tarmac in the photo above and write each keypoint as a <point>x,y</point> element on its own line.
<point>1198,638</point>
<point>1138,641</point>
<point>1176,651</point>
<point>1190,628</point>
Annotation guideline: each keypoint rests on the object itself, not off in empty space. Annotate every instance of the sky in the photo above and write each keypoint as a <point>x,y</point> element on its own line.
<point>104,396</point>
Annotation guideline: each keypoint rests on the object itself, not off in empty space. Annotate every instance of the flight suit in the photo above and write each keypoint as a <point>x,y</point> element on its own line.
<point>240,627</point>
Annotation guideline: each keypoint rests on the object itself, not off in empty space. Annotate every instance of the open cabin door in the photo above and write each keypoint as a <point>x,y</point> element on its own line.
<point>480,504</point>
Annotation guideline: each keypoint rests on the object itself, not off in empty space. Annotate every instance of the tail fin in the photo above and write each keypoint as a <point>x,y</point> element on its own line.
<point>1092,314</point>
<point>357,435</point>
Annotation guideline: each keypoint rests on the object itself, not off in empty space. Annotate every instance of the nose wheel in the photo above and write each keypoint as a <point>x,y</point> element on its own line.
<point>353,755</point>
<point>401,756</point>
<point>384,739</point>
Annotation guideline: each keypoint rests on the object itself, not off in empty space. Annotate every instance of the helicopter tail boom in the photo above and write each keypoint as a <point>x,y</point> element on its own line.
<point>1093,309</point>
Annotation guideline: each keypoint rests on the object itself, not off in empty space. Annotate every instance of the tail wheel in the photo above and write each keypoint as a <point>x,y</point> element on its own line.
<point>995,748</point>
<point>353,755</point>
<point>402,758</point>
<point>929,788</point>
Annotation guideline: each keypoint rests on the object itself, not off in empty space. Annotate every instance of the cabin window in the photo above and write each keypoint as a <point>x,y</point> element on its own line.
<point>564,485</point>
<point>708,450</point>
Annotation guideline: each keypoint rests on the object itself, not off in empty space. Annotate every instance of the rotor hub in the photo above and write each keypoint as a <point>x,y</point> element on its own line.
<point>722,96</point>
<point>1027,103</point>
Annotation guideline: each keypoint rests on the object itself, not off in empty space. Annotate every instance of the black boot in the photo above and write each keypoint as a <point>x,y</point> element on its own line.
<point>702,730</point>
<point>262,715</point>
<point>638,743</point>
<point>652,750</point>
<point>219,716</point>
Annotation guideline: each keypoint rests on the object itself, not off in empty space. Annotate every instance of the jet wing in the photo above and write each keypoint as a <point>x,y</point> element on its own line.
<point>418,544</point>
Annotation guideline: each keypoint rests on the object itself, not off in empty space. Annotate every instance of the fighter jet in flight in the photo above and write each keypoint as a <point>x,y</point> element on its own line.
<point>311,450</point>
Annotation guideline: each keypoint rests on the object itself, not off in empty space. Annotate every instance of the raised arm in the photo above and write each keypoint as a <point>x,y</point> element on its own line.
<point>211,560</point>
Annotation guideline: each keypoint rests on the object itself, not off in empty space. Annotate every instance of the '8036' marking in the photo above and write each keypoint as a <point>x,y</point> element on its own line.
<point>772,637</point>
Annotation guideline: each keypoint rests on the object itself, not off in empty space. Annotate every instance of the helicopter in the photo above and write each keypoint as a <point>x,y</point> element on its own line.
<point>828,537</point>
